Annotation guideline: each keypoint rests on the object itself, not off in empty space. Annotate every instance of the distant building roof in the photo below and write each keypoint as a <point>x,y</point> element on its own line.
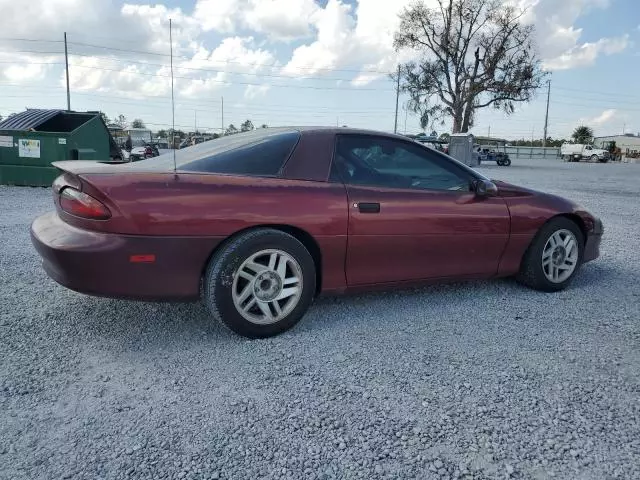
<point>30,118</point>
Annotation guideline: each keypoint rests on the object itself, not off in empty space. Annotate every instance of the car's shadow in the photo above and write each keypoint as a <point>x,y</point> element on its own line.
<point>140,325</point>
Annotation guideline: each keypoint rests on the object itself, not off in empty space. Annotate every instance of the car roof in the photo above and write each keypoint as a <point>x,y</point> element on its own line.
<point>310,130</point>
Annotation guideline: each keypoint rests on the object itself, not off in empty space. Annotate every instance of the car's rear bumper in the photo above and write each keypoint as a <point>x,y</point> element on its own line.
<point>592,243</point>
<point>121,266</point>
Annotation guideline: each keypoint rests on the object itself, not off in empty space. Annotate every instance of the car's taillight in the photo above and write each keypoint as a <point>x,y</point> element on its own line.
<point>82,205</point>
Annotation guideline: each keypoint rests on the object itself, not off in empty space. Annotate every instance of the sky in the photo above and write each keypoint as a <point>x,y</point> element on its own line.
<point>298,62</point>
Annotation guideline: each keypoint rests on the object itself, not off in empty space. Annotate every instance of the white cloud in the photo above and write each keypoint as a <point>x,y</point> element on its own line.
<point>152,24</point>
<point>363,37</point>
<point>557,37</point>
<point>219,15</point>
<point>602,119</point>
<point>104,75</point>
<point>24,68</point>
<point>239,54</point>
<point>277,19</point>
<point>586,54</point>
<point>255,91</point>
<point>203,73</point>
<point>280,19</point>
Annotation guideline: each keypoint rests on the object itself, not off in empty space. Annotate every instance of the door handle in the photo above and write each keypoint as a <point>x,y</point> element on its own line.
<point>364,207</point>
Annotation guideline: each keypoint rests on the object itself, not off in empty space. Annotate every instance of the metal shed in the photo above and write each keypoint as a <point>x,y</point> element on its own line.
<point>30,141</point>
<point>461,147</point>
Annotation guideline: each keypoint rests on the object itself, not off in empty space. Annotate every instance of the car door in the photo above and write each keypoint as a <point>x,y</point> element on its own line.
<point>413,215</point>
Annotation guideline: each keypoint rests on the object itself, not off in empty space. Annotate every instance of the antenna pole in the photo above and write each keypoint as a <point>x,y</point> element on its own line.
<point>66,65</point>
<point>395,125</point>
<point>222,115</point>
<point>546,117</point>
<point>173,106</point>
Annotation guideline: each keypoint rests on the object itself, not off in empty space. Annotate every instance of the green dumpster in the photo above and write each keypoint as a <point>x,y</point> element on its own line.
<point>30,141</point>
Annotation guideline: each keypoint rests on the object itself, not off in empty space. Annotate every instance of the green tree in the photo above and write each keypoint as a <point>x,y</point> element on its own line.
<point>162,133</point>
<point>231,130</point>
<point>246,126</point>
<point>582,134</point>
<point>264,125</point>
<point>475,54</point>
<point>137,123</point>
<point>445,137</point>
<point>105,118</point>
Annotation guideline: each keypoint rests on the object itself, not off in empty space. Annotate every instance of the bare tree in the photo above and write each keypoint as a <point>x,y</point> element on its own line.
<point>137,123</point>
<point>475,54</point>
<point>121,121</point>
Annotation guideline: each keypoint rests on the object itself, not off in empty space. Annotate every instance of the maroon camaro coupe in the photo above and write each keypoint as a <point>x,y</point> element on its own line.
<point>259,223</point>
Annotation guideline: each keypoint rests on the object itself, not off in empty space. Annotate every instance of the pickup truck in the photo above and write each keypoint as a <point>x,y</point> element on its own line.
<point>574,152</point>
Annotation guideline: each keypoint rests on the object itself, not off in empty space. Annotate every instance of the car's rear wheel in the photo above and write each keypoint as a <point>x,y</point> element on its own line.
<point>260,283</point>
<point>554,256</point>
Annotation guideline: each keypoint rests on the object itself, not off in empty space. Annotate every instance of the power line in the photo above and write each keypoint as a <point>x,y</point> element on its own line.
<point>303,109</point>
<point>142,52</point>
<point>210,70</point>
<point>157,75</point>
<point>29,40</point>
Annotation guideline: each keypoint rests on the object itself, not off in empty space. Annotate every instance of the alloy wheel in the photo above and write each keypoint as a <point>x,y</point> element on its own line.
<point>560,256</point>
<point>267,286</point>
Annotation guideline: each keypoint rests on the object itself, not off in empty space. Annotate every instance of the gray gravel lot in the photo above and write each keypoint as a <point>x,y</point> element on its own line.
<point>479,380</point>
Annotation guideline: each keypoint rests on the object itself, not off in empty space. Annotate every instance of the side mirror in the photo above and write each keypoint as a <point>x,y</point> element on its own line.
<point>485,188</point>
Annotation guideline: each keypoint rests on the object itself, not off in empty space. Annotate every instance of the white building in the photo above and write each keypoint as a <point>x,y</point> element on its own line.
<point>628,143</point>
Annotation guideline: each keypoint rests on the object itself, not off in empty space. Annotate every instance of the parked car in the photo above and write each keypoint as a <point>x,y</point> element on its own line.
<point>266,220</point>
<point>574,152</point>
<point>148,150</point>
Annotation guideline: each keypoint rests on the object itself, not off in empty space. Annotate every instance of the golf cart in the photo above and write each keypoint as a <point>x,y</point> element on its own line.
<point>494,150</point>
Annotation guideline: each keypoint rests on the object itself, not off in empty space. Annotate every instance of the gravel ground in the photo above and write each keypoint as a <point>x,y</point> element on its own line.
<point>479,380</point>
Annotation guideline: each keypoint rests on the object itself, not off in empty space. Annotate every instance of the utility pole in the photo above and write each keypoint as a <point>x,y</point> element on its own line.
<point>66,65</point>
<point>395,126</point>
<point>546,117</point>
<point>195,121</point>
<point>489,134</point>
<point>222,115</point>
<point>532,130</point>
<point>624,128</point>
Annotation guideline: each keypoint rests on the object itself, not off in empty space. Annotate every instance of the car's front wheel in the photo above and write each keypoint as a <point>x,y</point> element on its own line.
<point>554,256</point>
<point>260,283</point>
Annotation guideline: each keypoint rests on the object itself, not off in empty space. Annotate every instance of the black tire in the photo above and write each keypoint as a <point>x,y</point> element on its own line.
<point>531,272</point>
<point>507,162</point>
<point>593,158</point>
<point>218,280</point>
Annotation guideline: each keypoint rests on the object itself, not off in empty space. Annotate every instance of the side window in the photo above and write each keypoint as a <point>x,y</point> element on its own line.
<point>263,157</point>
<point>385,162</point>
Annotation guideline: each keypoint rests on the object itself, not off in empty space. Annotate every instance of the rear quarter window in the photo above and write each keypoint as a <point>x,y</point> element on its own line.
<point>263,157</point>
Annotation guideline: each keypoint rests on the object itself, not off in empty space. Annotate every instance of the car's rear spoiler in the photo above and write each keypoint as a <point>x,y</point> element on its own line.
<point>77,167</point>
